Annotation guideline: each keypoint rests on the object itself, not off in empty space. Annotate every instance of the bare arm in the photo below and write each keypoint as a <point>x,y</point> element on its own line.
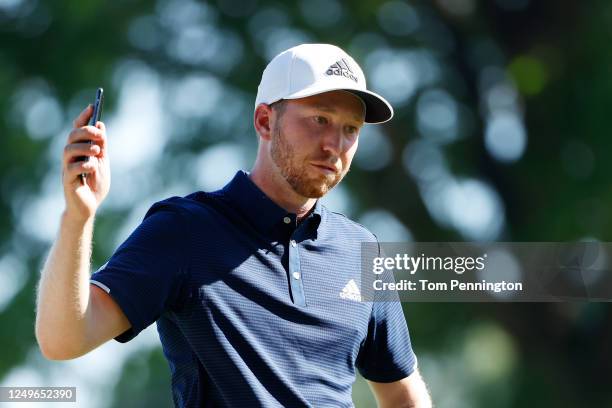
<point>71,317</point>
<point>410,392</point>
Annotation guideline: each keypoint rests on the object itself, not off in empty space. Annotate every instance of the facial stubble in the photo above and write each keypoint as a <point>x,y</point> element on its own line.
<point>299,174</point>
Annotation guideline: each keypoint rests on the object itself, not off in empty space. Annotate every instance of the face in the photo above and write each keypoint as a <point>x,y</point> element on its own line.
<point>314,140</point>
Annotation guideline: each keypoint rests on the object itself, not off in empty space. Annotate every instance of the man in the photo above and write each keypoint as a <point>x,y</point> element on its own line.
<point>253,287</point>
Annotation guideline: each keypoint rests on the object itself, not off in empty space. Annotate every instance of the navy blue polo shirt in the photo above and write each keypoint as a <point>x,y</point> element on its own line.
<point>252,308</point>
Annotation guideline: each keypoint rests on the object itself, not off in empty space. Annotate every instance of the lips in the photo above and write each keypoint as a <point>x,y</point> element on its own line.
<point>325,168</point>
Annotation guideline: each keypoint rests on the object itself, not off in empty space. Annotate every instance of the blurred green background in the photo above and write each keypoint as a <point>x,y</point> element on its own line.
<point>502,131</point>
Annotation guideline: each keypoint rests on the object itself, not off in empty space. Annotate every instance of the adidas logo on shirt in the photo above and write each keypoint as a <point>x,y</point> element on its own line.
<point>341,68</point>
<point>351,291</point>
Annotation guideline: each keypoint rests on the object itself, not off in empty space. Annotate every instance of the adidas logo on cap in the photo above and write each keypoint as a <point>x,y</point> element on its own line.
<point>341,68</point>
<point>351,291</point>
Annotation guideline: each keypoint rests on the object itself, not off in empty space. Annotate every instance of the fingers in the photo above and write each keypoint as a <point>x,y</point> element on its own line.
<point>83,117</point>
<point>76,150</point>
<point>85,133</point>
<point>74,170</point>
<point>84,141</point>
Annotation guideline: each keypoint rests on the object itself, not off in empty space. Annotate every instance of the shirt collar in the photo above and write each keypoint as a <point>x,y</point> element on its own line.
<point>259,209</point>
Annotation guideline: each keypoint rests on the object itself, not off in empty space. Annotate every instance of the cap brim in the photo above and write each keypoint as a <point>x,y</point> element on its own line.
<point>378,110</point>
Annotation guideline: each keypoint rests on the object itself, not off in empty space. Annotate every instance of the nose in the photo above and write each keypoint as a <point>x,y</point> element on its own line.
<point>331,141</point>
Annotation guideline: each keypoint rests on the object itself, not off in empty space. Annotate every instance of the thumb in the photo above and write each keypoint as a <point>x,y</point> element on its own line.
<point>83,117</point>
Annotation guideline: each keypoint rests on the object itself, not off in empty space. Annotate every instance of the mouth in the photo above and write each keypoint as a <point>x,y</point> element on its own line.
<point>325,168</point>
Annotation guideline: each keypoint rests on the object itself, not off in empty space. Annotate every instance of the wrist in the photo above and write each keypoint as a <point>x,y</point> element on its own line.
<point>73,220</point>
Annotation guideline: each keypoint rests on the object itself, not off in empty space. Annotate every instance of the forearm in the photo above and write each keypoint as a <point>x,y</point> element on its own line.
<point>63,290</point>
<point>419,399</point>
<point>410,392</point>
<point>419,395</point>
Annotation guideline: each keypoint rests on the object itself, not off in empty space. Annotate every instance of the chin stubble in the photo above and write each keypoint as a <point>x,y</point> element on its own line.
<point>295,174</point>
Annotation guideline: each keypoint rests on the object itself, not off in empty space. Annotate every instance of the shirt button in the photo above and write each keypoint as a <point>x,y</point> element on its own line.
<point>286,220</point>
<point>296,275</point>
<point>293,243</point>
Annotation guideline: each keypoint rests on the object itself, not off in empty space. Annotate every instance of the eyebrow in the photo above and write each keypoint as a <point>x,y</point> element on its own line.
<point>328,108</point>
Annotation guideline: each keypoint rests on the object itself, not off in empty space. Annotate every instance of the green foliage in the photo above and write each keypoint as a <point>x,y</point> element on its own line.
<point>555,59</point>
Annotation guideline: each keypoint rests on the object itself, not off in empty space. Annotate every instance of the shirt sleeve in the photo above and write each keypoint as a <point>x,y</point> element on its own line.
<point>146,275</point>
<point>386,353</point>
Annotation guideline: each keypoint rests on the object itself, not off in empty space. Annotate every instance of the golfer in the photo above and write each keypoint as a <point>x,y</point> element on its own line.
<point>254,287</point>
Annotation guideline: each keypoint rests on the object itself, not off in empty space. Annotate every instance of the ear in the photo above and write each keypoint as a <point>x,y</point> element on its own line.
<point>262,121</point>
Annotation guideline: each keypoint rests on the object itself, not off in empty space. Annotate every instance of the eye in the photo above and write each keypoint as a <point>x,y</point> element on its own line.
<point>321,120</point>
<point>351,130</point>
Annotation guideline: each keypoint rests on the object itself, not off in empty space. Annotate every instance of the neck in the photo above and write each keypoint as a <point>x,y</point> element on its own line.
<point>279,191</point>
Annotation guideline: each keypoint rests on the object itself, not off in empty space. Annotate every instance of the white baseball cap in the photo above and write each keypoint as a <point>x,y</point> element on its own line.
<point>310,69</point>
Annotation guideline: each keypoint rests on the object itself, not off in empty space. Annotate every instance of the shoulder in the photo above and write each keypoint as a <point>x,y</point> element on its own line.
<point>198,211</point>
<point>199,202</point>
<point>341,224</point>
